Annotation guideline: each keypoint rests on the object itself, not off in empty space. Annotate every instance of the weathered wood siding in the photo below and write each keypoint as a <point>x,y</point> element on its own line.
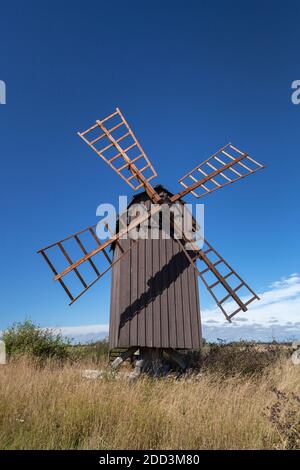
<point>154,297</point>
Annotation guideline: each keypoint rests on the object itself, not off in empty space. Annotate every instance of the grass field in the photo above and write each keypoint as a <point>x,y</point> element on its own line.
<point>227,406</point>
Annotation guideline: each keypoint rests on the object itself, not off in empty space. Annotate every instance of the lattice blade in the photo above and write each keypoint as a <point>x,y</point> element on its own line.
<point>62,253</point>
<point>219,276</point>
<point>227,165</point>
<point>231,293</point>
<point>113,140</point>
<point>90,255</point>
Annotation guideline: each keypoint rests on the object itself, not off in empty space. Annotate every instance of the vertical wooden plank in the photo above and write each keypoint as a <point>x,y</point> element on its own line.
<point>149,293</point>
<point>164,295</point>
<point>193,308</point>
<point>112,310</point>
<point>172,274</point>
<point>198,309</point>
<point>125,308</point>
<point>156,295</point>
<point>186,301</point>
<point>141,293</point>
<point>134,297</point>
<point>178,298</point>
<point>114,303</point>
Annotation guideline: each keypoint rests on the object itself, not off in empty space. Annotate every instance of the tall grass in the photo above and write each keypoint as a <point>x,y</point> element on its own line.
<point>55,408</point>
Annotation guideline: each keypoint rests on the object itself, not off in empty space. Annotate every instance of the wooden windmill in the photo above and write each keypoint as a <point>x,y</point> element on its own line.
<point>154,292</point>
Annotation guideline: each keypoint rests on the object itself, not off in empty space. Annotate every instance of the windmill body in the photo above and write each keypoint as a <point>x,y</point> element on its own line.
<point>154,294</point>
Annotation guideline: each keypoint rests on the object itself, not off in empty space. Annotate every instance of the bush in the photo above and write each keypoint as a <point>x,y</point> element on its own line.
<point>246,358</point>
<point>95,352</point>
<point>28,339</point>
<point>285,417</point>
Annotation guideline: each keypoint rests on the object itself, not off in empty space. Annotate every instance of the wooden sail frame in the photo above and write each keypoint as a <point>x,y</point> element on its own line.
<point>114,141</point>
<point>228,165</point>
<point>135,169</point>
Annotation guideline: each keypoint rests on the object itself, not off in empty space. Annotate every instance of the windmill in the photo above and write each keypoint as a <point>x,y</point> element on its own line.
<point>154,288</point>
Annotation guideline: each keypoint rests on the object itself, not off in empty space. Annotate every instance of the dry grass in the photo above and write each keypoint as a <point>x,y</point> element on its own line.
<point>55,408</point>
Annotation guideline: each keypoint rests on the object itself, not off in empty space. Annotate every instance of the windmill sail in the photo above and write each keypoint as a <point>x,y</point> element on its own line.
<point>60,255</point>
<point>227,165</point>
<point>81,259</point>
<point>113,140</point>
<point>85,259</point>
<point>230,292</point>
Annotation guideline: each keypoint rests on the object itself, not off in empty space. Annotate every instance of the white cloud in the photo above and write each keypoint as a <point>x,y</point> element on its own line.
<point>83,329</point>
<point>83,333</point>
<point>275,315</point>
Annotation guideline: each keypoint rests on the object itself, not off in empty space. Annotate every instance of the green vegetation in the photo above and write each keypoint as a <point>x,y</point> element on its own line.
<point>28,339</point>
<point>44,344</point>
<point>241,358</point>
<point>235,396</point>
<point>95,352</point>
<point>54,407</point>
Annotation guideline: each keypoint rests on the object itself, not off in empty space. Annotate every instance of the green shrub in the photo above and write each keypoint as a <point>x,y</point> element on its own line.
<point>246,358</point>
<point>28,339</point>
<point>95,352</point>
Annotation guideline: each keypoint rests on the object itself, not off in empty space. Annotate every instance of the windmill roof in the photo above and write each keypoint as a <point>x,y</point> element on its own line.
<point>143,196</point>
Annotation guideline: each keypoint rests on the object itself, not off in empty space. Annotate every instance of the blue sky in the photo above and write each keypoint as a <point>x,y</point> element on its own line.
<point>189,77</point>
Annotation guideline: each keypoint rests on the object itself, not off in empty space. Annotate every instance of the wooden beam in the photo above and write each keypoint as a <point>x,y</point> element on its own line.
<point>206,178</point>
<point>126,230</point>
